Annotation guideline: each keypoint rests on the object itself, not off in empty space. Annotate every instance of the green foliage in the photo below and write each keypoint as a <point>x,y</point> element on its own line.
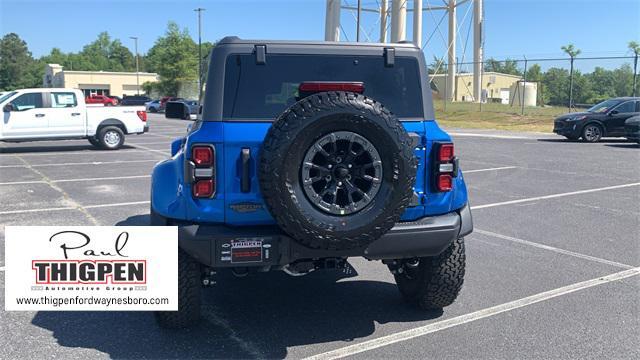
<point>18,69</point>
<point>103,54</point>
<point>174,57</point>
<point>507,66</point>
<point>571,50</point>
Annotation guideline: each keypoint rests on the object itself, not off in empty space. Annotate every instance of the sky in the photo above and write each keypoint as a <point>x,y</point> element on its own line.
<point>513,28</point>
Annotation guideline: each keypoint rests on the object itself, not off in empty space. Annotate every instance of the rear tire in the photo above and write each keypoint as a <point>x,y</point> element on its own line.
<point>189,296</point>
<point>110,138</point>
<point>436,281</point>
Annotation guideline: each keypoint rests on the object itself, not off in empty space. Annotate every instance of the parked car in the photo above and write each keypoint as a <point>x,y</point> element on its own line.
<point>165,99</point>
<point>100,99</point>
<point>182,109</point>
<point>137,100</point>
<point>116,98</point>
<point>632,128</point>
<point>153,106</point>
<point>61,114</point>
<point>308,154</point>
<point>605,119</point>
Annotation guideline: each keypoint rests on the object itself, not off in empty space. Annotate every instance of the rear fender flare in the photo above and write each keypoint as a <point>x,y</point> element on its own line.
<point>112,122</point>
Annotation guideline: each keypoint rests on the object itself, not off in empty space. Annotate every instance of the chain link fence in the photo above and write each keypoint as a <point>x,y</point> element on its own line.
<point>538,89</point>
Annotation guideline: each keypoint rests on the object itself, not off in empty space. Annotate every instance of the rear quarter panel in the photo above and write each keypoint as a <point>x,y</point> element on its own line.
<point>127,115</point>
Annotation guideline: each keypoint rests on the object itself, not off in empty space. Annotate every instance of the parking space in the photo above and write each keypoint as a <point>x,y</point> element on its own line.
<point>551,268</point>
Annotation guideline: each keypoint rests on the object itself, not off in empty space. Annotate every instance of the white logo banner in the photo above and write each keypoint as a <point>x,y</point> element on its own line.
<point>105,268</point>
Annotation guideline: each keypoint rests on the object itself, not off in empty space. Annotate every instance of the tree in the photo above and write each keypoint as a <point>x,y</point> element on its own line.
<point>555,81</point>
<point>635,47</point>
<point>18,69</point>
<point>572,52</point>
<point>174,57</point>
<point>507,66</point>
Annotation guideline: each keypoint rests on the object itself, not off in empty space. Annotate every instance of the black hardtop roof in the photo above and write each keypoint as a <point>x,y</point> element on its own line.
<point>231,40</point>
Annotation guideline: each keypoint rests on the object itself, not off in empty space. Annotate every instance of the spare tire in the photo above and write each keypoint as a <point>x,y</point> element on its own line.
<point>337,170</point>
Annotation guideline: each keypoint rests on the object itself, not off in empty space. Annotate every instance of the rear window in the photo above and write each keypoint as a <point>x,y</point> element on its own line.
<point>255,91</point>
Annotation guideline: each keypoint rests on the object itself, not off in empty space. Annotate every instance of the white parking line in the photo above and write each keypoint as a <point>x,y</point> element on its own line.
<point>81,163</point>
<point>163,152</point>
<point>553,196</point>
<point>72,152</point>
<point>73,208</point>
<point>467,318</point>
<point>74,180</point>
<point>489,169</point>
<point>117,204</point>
<point>554,249</point>
<point>487,135</point>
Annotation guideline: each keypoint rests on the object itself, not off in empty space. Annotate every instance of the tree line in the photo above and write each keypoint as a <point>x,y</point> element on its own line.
<point>174,56</point>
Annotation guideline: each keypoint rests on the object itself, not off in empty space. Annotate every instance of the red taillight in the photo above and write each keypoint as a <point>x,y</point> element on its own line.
<point>445,166</point>
<point>202,155</point>
<point>320,86</point>
<point>203,188</point>
<point>142,115</point>
<point>445,152</point>
<point>445,182</point>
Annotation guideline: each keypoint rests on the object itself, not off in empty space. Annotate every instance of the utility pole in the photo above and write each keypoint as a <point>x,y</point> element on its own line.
<point>135,40</point>
<point>383,20</point>
<point>199,11</point>
<point>398,20</point>
<point>451,76</point>
<point>477,50</point>
<point>417,23</point>
<point>358,21</point>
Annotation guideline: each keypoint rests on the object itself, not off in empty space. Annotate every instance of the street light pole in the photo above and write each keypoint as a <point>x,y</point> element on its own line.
<point>199,11</point>
<point>135,40</point>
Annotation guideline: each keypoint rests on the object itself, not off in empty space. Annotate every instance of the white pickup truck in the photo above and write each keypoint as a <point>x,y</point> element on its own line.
<point>61,114</point>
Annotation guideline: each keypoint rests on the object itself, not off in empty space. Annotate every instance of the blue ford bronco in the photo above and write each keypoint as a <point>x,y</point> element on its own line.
<point>306,154</point>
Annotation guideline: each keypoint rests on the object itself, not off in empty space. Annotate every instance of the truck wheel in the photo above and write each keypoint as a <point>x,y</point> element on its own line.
<point>110,138</point>
<point>189,288</point>
<point>432,282</point>
<point>592,133</point>
<point>337,170</point>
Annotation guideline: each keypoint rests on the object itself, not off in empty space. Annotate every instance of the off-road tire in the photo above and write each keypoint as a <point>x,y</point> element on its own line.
<point>290,137</point>
<point>437,281</point>
<point>189,296</point>
<point>104,139</point>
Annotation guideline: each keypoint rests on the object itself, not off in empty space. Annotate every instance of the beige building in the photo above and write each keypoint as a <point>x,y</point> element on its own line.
<point>97,82</point>
<point>496,87</point>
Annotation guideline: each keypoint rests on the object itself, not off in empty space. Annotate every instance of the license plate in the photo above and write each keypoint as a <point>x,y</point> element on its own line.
<point>246,250</point>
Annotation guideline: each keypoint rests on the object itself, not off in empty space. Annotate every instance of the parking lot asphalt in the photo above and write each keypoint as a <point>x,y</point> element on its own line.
<point>552,267</point>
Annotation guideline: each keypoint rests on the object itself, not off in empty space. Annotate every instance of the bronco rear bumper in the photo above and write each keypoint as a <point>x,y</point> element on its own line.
<point>214,245</point>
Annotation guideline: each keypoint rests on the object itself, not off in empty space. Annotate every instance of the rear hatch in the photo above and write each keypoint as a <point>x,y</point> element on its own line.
<point>257,92</point>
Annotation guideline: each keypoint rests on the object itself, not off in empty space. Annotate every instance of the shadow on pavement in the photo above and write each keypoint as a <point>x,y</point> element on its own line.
<point>136,220</point>
<point>58,148</point>
<point>258,316</point>
<point>625,146</point>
